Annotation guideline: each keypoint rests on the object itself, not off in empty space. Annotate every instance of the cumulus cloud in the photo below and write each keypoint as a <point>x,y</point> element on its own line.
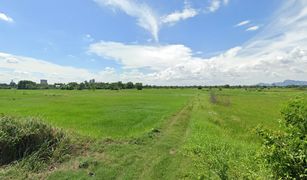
<point>6,18</point>
<point>21,68</point>
<point>279,52</point>
<point>145,16</point>
<point>139,56</point>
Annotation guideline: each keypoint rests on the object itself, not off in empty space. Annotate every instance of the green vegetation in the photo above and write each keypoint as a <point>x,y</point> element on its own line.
<point>31,142</point>
<point>285,151</point>
<point>97,113</point>
<point>156,134</point>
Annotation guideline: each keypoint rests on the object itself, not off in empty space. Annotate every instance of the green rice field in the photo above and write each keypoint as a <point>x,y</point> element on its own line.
<point>154,133</point>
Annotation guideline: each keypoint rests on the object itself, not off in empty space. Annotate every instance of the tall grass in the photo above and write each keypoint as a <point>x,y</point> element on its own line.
<point>218,99</point>
<point>30,142</point>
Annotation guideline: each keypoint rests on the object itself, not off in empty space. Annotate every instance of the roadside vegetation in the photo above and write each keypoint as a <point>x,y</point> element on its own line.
<point>285,151</point>
<point>196,133</point>
<point>30,145</point>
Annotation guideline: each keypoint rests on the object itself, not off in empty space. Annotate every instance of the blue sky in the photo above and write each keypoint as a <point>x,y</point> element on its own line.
<point>175,42</point>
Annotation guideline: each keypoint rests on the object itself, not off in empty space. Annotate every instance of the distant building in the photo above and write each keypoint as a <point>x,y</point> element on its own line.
<point>44,82</point>
<point>92,81</point>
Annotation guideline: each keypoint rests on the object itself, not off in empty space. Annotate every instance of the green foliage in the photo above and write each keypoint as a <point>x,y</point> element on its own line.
<point>129,85</point>
<point>100,113</point>
<point>139,86</point>
<point>137,134</point>
<point>285,151</point>
<point>31,142</point>
<point>219,99</point>
<point>26,85</point>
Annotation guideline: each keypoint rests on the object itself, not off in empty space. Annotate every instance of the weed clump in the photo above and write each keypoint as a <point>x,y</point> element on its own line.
<point>220,100</point>
<point>31,143</point>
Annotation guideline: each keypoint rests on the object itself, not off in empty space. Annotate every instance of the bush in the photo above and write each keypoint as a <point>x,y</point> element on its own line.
<point>285,151</point>
<point>32,140</point>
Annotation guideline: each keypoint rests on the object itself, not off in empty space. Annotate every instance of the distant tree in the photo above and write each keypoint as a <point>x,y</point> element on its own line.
<point>5,86</point>
<point>139,86</point>
<point>227,86</point>
<point>114,86</point>
<point>25,84</point>
<point>87,85</point>
<point>199,87</point>
<point>120,85</point>
<point>72,85</point>
<point>13,84</point>
<point>129,85</point>
<point>81,86</point>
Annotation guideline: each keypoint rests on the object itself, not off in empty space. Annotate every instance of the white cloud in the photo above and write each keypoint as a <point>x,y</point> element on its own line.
<point>278,52</point>
<point>150,20</point>
<point>176,64</point>
<point>242,23</point>
<point>176,16</point>
<point>253,28</point>
<point>216,4</point>
<point>6,18</point>
<point>248,22</point>
<point>146,17</point>
<point>18,68</point>
<point>138,56</point>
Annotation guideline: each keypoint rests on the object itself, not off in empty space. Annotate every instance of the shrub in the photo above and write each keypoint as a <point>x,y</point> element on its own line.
<point>285,151</point>
<point>32,140</point>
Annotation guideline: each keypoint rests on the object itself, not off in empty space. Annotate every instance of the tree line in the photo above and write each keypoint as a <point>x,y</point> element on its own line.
<point>26,84</point>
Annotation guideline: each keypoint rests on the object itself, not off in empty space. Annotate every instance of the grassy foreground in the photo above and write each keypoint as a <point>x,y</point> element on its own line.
<point>97,113</point>
<point>155,134</point>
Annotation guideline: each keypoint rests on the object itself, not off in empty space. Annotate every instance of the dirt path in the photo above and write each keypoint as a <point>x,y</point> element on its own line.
<point>157,155</point>
<point>161,158</point>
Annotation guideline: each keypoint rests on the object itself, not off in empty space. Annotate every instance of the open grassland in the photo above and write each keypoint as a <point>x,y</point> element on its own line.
<point>156,134</point>
<point>97,113</point>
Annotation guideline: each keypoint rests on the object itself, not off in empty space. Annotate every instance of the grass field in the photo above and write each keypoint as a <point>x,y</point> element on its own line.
<point>97,113</point>
<point>155,134</point>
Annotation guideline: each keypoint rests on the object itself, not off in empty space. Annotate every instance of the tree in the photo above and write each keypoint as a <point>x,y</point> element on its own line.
<point>25,84</point>
<point>72,85</point>
<point>120,85</point>
<point>114,86</point>
<point>81,86</point>
<point>139,86</point>
<point>129,85</point>
<point>13,84</point>
<point>227,86</point>
<point>285,151</point>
